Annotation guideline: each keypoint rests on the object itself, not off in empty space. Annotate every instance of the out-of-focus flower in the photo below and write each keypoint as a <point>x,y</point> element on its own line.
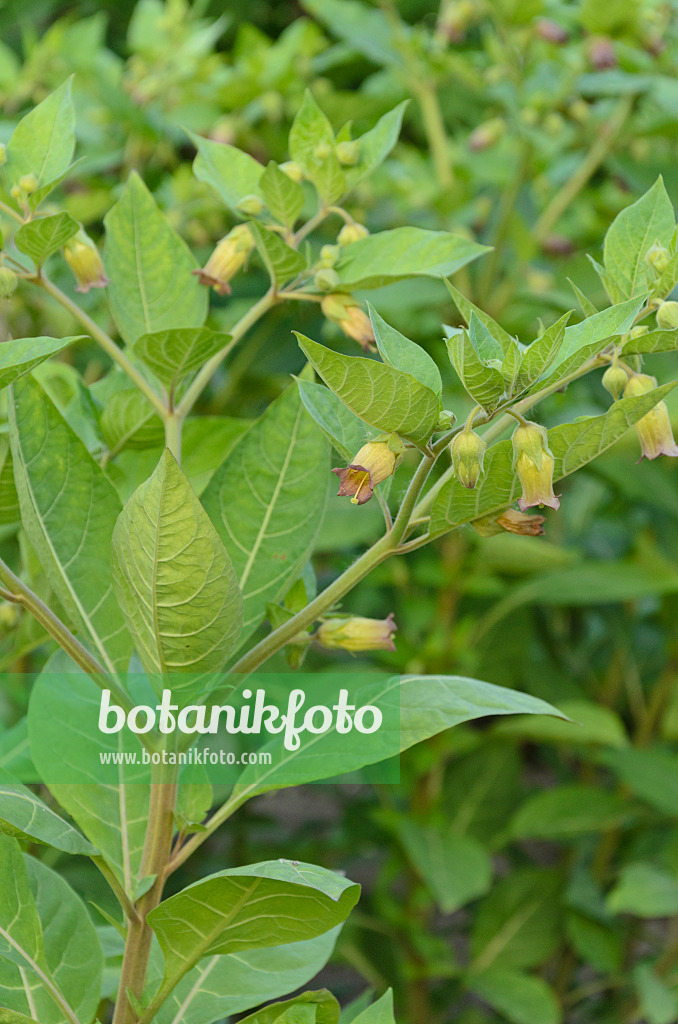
<point>358,634</point>
<point>352,233</point>
<point>230,254</point>
<point>654,429</point>
<point>348,152</point>
<point>8,282</point>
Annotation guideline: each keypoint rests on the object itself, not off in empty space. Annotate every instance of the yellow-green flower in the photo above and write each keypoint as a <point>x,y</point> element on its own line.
<point>343,310</point>
<point>373,463</point>
<point>534,465</point>
<point>83,258</point>
<point>468,451</point>
<point>358,634</point>
<point>230,254</point>
<point>654,429</point>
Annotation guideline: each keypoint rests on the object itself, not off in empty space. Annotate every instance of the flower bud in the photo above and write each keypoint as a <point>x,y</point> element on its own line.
<point>28,183</point>
<point>9,616</point>
<point>82,256</point>
<point>654,429</point>
<point>667,315</point>
<point>658,257</point>
<point>326,279</point>
<point>352,233</point>
<point>329,254</point>
<point>227,259</point>
<point>375,461</point>
<point>322,150</point>
<point>8,282</point>
<point>358,634</point>
<point>343,310</point>
<point>614,381</point>
<point>534,465</point>
<point>552,32</point>
<point>292,170</point>
<point>251,206</point>
<point>445,420</point>
<point>638,332</point>
<point>348,153</point>
<point>486,134</point>
<point>468,451</point>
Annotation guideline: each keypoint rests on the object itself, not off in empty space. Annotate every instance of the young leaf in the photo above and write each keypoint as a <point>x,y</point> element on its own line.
<point>281,261</point>
<point>519,998</point>
<point>247,908</point>
<point>164,544</point>
<point>485,384</point>
<point>42,143</point>
<point>466,308</point>
<point>231,173</point>
<point>375,145</point>
<point>404,252</point>
<point>378,1012</point>
<point>650,219</point>
<point>69,517</point>
<point>594,331</point>
<point>310,129</point>
<point>174,355</point>
<point>644,891</point>
<point>267,502</point>
<point>542,353</point>
<point>572,444</point>
<point>382,396</point>
<point>398,351</point>
<point>308,1008</point>
<point>284,197</point>
<point>41,237</point>
<point>152,285</point>
<point>21,355</point>
<point>24,816</point>
<point>653,341</point>
<point>344,430</point>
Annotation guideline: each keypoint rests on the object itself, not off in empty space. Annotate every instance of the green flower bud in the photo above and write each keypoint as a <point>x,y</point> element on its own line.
<point>486,134</point>
<point>251,206</point>
<point>352,233</point>
<point>329,254</point>
<point>614,381</point>
<point>326,279</point>
<point>468,451</point>
<point>667,315</point>
<point>445,420</point>
<point>658,257</point>
<point>292,170</point>
<point>638,332</point>
<point>348,153</point>
<point>8,282</point>
<point>9,616</point>
<point>322,151</point>
<point>28,183</point>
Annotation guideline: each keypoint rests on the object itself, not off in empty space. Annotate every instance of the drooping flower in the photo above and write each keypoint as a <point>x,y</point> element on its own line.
<point>468,451</point>
<point>83,258</point>
<point>230,254</point>
<point>654,429</point>
<point>534,464</point>
<point>511,521</point>
<point>358,634</point>
<point>375,461</point>
<point>343,310</point>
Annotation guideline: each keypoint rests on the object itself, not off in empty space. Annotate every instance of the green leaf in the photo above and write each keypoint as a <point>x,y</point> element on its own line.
<point>164,545</point>
<point>653,341</point>
<point>345,431</point>
<point>519,998</point>
<point>9,499</point>
<point>570,810</point>
<point>174,355</point>
<point>246,908</point>
<point>542,353</point>
<point>71,962</point>
<point>375,145</point>
<point>403,354</point>
<point>312,147</point>
<point>588,723</point>
<point>400,253</point>
<point>308,1008</point>
<point>590,337</point>
<point>150,268</point>
<point>650,774</point>
<point>644,891</point>
<point>68,509</point>
<point>379,1012</point>
<point>485,384</point>
<point>281,261</point>
<point>382,396</point>
<point>284,197</point>
<point>24,816</point>
<point>518,922</point>
<point>366,30</point>
<point>41,237</point>
<point>466,308</point>
<point>456,868</point>
<point>267,502</point>
<point>20,932</point>
<point>21,355</point>
<point>221,986</point>
<point>650,219</point>
<point>129,419</point>
<point>572,444</point>
<point>10,1017</point>
<point>596,943</point>
<point>231,173</point>
<point>658,1003</point>
<point>43,141</point>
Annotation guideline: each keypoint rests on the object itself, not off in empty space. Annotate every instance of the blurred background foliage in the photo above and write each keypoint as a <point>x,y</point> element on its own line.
<point>546,851</point>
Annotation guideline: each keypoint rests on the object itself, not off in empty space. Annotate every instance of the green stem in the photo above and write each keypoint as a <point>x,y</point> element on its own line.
<point>105,341</point>
<point>11,213</point>
<point>434,129</point>
<point>120,894</point>
<point>173,426</point>
<point>212,365</point>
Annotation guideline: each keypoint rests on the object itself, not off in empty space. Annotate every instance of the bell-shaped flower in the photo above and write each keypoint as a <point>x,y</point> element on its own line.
<point>229,256</point>
<point>358,634</point>
<point>654,429</point>
<point>534,465</point>
<point>83,258</point>
<point>343,310</point>
<point>375,461</point>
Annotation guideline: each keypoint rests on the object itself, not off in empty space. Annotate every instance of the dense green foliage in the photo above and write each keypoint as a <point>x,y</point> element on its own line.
<point>526,868</point>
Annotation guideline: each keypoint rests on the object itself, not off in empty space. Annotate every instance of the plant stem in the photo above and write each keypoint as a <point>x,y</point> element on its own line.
<point>173,425</point>
<point>105,341</point>
<point>154,861</point>
<point>204,376</point>
<point>594,158</point>
<point>434,129</point>
<point>120,894</point>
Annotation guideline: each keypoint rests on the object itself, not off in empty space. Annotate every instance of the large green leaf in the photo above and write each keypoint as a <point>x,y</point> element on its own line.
<point>281,261</point>
<point>176,354</point>
<point>398,351</point>
<point>571,810</point>
<point>345,431</point>
<point>71,961</point>
<point>641,770</point>
<point>485,384</point>
<point>312,147</point>
<point>129,419</point>
<point>404,252</point>
<point>68,509</point>
<point>308,1008</point>
<point>517,924</point>
<point>220,986</point>
<point>246,908</point>
<point>653,341</point>
<point>519,998</point>
<point>572,444</point>
<point>42,143</point>
<point>456,868</point>
<point>382,396</point>
<point>267,502</point>
<point>152,286</point>
<point>589,337</point>
<point>21,355</point>
<point>173,577</point>
<point>650,219</point>
<point>25,816</point>
<point>41,237</point>
<point>232,173</point>
<point>20,932</point>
